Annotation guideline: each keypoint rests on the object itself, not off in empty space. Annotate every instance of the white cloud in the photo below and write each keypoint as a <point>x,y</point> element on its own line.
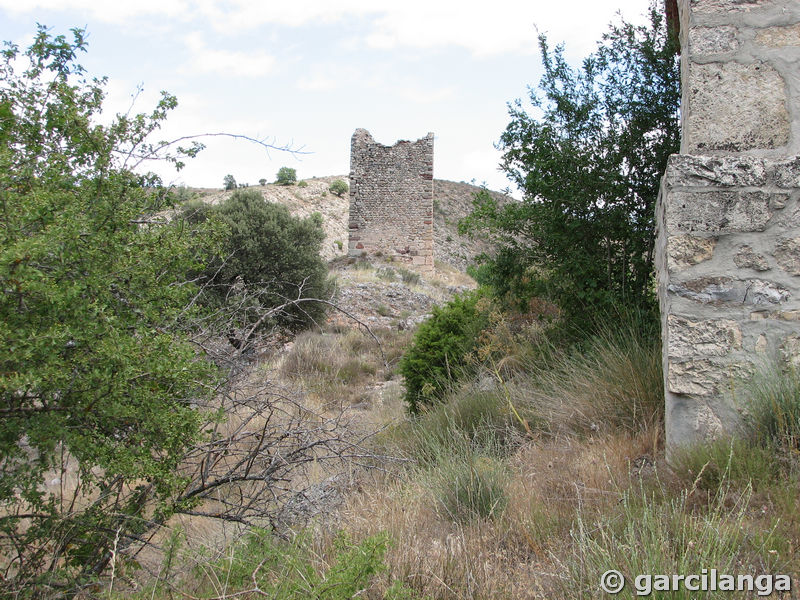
<point>484,29</point>
<point>226,62</point>
<point>103,10</point>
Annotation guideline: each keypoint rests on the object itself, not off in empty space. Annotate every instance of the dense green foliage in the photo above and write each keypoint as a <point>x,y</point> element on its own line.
<point>96,380</point>
<point>229,182</point>
<point>286,176</point>
<point>441,344</point>
<point>588,159</point>
<point>339,188</point>
<point>275,255</point>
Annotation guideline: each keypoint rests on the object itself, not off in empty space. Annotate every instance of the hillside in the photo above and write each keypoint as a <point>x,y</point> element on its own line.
<point>452,202</point>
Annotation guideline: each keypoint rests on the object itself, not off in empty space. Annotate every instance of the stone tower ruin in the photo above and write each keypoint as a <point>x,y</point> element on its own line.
<point>728,250</point>
<point>391,199</point>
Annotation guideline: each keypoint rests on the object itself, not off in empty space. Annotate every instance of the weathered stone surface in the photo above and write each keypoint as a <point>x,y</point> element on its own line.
<point>710,337</point>
<point>713,6</point>
<point>689,420</point>
<point>684,251</point>
<point>712,40</point>
<point>695,377</point>
<point>761,344</point>
<point>718,211</point>
<point>732,171</point>
<point>790,350</point>
<point>787,253</point>
<point>785,173</point>
<point>391,199</point>
<point>721,290</point>
<point>735,107</point>
<point>737,183</point>
<point>779,37</point>
<point>747,258</point>
<point>783,315</point>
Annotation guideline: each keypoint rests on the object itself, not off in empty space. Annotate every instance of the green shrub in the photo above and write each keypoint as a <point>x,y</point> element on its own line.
<point>286,176</point>
<point>386,273</point>
<point>437,356</point>
<point>196,211</point>
<point>338,188</point>
<point>181,194</point>
<point>302,184</point>
<point>409,277</point>
<point>276,256</point>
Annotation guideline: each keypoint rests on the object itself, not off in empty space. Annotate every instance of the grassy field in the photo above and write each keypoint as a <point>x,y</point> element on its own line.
<point>530,480</point>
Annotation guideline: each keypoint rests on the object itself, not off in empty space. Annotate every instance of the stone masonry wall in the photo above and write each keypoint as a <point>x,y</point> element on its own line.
<point>391,199</point>
<point>728,250</point>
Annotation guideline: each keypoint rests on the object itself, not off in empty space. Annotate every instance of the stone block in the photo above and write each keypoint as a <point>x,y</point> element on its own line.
<point>787,254</point>
<point>684,251</point>
<point>785,173</point>
<point>709,337</point>
<point>735,107</point>
<point>714,6</point>
<point>712,40</point>
<point>747,258</point>
<point>761,344</point>
<point>695,377</point>
<point>790,350</point>
<point>717,211</point>
<point>731,171</point>
<point>779,37</point>
<point>725,290</point>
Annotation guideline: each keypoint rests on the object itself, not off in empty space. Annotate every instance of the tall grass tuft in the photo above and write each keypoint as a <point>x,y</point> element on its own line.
<point>470,486</point>
<point>612,382</point>
<point>470,421</point>
<point>775,406</point>
<point>651,535</point>
<point>739,460</point>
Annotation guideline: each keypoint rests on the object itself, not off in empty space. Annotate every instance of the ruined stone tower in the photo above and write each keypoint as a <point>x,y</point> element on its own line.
<point>391,199</point>
<point>728,251</point>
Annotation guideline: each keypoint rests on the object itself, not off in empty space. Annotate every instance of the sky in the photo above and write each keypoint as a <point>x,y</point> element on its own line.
<point>305,74</point>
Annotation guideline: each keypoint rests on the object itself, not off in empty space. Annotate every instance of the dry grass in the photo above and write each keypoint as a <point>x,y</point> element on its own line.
<point>491,508</point>
<point>344,368</point>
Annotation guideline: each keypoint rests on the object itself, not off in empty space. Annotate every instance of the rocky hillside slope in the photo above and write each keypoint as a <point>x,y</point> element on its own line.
<point>452,202</point>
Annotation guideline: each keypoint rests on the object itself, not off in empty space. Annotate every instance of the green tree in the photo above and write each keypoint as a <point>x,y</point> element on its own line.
<point>286,176</point>
<point>338,187</point>
<point>262,182</point>
<point>94,370</point>
<point>588,160</point>
<point>276,256</point>
<point>229,182</point>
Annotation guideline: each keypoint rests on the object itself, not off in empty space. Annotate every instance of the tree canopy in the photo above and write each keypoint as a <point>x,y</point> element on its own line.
<point>588,156</point>
<point>94,369</point>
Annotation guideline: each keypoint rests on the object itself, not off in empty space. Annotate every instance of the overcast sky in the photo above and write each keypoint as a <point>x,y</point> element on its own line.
<point>307,73</point>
